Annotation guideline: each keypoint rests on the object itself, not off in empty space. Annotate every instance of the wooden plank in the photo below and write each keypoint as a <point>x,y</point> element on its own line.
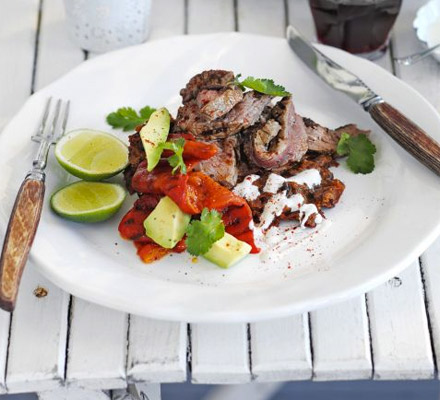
<point>37,360</point>
<point>288,357</point>
<point>399,329</point>
<point>347,320</point>
<point>219,353</point>
<point>73,394</point>
<point>157,350</point>
<point>38,336</point>
<point>18,22</point>
<point>167,18</point>
<point>431,276</point>
<point>97,346</point>
<point>57,53</point>
<point>424,77</point>
<point>280,349</point>
<point>341,343</point>
<point>210,16</point>
<point>262,17</point>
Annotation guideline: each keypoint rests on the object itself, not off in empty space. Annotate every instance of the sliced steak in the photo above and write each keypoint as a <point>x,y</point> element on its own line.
<point>223,166</point>
<point>192,118</point>
<point>325,140</point>
<point>136,154</point>
<point>279,141</point>
<point>216,103</point>
<point>212,79</point>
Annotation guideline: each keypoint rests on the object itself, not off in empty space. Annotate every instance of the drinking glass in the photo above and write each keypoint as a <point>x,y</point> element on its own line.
<point>360,27</point>
<point>103,25</point>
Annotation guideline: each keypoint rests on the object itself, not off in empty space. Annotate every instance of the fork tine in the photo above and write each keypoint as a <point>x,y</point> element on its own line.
<point>42,126</point>
<point>66,116</point>
<point>55,119</point>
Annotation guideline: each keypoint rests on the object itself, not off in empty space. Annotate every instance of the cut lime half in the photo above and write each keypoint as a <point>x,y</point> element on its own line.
<point>91,155</point>
<point>88,201</point>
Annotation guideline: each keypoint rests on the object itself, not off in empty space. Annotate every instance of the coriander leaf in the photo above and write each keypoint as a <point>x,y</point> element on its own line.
<point>201,235</point>
<point>360,152</point>
<point>146,112</point>
<point>266,86</point>
<point>126,118</point>
<point>176,160</point>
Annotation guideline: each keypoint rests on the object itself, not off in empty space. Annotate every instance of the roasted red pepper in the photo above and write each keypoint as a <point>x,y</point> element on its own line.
<point>192,192</point>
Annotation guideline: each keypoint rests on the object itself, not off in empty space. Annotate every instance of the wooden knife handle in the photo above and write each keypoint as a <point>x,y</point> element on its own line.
<point>20,234</point>
<point>409,135</point>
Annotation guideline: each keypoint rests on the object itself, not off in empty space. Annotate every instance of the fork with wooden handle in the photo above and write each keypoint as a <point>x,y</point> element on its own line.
<point>26,213</point>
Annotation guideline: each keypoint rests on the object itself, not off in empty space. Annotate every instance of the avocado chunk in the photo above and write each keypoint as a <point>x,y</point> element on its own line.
<point>167,223</point>
<point>227,251</point>
<point>153,134</point>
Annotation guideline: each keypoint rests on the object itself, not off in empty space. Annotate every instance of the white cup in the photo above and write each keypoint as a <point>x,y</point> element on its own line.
<point>103,25</point>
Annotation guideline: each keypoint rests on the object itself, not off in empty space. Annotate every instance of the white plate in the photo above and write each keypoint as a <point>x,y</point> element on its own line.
<point>384,221</point>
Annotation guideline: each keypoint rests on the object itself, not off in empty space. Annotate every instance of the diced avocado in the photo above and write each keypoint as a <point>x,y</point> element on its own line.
<point>154,133</point>
<point>227,251</point>
<point>167,223</point>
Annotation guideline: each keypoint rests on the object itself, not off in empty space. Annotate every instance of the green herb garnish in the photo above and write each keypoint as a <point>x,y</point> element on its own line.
<point>176,160</point>
<point>360,151</point>
<point>201,235</point>
<point>126,118</point>
<point>265,86</point>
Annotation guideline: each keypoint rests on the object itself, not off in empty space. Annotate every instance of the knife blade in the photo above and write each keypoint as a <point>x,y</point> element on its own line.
<point>404,131</point>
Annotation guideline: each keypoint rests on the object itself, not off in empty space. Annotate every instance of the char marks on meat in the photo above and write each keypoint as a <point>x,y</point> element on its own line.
<point>280,140</point>
<point>325,140</point>
<point>193,119</point>
<point>213,79</point>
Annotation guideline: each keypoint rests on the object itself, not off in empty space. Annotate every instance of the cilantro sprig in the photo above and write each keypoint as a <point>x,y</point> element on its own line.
<point>360,151</point>
<point>265,86</point>
<point>201,235</point>
<point>176,160</point>
<point>126,118</point>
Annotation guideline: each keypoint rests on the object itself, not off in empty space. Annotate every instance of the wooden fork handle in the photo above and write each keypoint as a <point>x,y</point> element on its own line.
<point>409,135</point>
<point>20,234</point>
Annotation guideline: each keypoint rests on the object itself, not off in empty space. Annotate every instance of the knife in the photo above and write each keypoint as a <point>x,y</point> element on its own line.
<point>404,131</point>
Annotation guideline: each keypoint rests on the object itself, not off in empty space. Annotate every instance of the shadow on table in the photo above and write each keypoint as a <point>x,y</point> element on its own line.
<point>358,390</point>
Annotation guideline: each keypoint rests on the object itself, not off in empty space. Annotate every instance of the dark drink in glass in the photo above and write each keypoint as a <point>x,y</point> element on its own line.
<point>358,26</point>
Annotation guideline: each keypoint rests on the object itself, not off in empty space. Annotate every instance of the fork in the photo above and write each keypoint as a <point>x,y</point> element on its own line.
<point>25,216</point>
<point>416,57</point>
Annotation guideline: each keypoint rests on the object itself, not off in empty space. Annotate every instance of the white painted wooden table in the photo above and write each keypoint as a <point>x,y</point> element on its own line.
<point>65,348</point>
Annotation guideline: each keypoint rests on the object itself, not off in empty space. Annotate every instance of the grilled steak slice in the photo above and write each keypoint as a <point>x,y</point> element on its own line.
<point>223,166</point>
<point>280,140</point>
<point>325,140</point>
<point>136,154</point>
<point>192,119</point>
<point>212,79</point>
<point>216,103</point>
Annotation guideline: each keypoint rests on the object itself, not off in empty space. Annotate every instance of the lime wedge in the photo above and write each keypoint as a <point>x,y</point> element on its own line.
<point>91,155</point>
<point>88,201</point>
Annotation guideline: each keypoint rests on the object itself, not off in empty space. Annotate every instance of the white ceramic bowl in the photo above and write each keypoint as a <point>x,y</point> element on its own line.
<point>427,25</point>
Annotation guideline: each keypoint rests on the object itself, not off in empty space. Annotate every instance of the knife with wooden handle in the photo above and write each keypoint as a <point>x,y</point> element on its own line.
<point>404,131</point>
<point>20,234</point>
